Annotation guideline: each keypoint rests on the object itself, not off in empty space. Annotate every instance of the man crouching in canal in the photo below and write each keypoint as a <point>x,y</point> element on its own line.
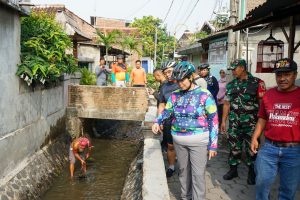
<point>80,149</point>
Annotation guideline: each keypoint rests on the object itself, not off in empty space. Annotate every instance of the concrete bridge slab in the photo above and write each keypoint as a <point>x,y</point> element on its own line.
<point>115,103</point>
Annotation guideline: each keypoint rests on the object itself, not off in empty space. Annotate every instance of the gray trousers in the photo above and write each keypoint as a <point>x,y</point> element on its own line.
<point>192,163</point>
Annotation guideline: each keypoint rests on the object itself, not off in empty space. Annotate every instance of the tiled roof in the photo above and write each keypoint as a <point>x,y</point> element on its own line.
<point>79,25</point>
<point>215,35</point>
<point>208,24</point>
<point>127,30</point>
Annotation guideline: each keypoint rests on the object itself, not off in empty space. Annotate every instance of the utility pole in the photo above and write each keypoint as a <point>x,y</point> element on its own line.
<point>155,45</point>
<point>174,45</point>
<point>163,52</point>
<point>231,55</point>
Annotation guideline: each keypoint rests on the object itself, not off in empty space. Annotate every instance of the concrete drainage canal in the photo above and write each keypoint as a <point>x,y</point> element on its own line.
<point>115,168</point>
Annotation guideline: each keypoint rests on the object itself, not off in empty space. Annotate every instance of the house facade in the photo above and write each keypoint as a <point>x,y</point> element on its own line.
<point>107,25</point>
<point>261,46</point>
<point>211,49</point>
<point>262,58</point>
<point>268,37</point>
<point>81,32</point>
<point>217,54</point>
<point>186,39</point>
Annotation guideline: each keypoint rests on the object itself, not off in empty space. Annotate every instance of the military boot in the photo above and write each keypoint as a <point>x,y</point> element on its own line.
<point>232,173</point>
<point>251,176</point>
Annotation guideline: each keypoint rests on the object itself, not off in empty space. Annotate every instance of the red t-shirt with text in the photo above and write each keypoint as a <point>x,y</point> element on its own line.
<point>281,110</point>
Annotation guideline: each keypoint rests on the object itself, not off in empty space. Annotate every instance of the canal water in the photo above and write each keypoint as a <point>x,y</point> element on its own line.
<point>106,173</point>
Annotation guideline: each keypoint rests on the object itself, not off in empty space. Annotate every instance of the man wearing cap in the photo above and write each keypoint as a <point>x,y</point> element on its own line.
<point>119,72</point>
<point>279,118</point>
<point>80,149</point>
<point>211,81</point>
<point>241,105</point>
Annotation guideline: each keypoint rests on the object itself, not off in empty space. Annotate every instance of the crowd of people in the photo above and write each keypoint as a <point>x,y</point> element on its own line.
<point>191,114</point>
<point>194,107</point>
<point>119,72</point>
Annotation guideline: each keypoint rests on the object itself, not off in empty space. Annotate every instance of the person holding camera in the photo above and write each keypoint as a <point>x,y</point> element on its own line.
<point>102,72</point>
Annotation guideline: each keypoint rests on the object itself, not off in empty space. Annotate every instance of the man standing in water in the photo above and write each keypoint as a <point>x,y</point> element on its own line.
<point>80,149</point>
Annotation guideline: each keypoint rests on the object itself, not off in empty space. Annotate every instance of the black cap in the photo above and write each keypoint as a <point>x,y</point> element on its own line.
<point>204,66</point>
<point>184,58</point>
<point>285,65</point>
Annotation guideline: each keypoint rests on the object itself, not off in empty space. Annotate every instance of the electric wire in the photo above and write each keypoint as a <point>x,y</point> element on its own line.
<point>213,12</point>
<point>177,14</point>
<point>168,11</point>
<point>191,12</point>
<point>184,14</point>
<point>139,9</point>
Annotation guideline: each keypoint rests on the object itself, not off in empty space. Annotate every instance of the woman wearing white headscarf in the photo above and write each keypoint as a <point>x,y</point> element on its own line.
<point>221,93</point>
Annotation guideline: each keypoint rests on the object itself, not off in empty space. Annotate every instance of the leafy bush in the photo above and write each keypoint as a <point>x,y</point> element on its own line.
<point>87,77</point>
<point>43,50</point>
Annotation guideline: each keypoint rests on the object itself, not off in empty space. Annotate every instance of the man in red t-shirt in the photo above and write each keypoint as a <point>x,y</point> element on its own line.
<point>279,118</point>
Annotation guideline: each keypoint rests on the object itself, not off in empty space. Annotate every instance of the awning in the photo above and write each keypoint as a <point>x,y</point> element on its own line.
<point>270,11</point>
<point>112,51</point>
<point>213,36</point>
<point>13,4</point>
<point>194,48</point>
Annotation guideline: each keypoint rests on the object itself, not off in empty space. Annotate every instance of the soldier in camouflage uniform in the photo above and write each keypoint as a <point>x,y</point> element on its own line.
<point>241,106</point>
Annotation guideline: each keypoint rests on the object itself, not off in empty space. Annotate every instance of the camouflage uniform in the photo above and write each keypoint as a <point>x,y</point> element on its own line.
<point>243,97</point>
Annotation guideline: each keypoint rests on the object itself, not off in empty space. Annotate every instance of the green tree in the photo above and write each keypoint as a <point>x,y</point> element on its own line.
<point>129,43</point>
<point>147,27</point>
<point>132,44</point>
<point>108,39</point>
<point>43,50</point>
<point>201,35</point>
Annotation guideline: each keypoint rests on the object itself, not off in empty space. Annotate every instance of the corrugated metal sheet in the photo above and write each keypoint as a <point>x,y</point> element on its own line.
<point>14,4</point>
<point>272,10</point>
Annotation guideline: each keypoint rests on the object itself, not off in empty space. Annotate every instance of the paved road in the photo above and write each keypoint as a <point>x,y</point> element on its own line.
<point>217,188</point>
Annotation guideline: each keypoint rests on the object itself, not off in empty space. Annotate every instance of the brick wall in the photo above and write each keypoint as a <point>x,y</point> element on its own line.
<point>105,22</point>
<point>109,102</point>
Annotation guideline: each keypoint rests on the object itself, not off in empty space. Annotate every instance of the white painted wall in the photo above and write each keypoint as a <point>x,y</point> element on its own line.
<point>89,53</point>
<point>254,39</point>
<point>25,116</point>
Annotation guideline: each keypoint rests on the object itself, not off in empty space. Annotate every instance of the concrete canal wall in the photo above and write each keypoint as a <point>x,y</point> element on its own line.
<point>30,119</point>
<point>155,184</point>
<point>36,174</point>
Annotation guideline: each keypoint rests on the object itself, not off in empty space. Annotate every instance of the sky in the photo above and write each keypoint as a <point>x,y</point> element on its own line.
<point>129,9</point>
